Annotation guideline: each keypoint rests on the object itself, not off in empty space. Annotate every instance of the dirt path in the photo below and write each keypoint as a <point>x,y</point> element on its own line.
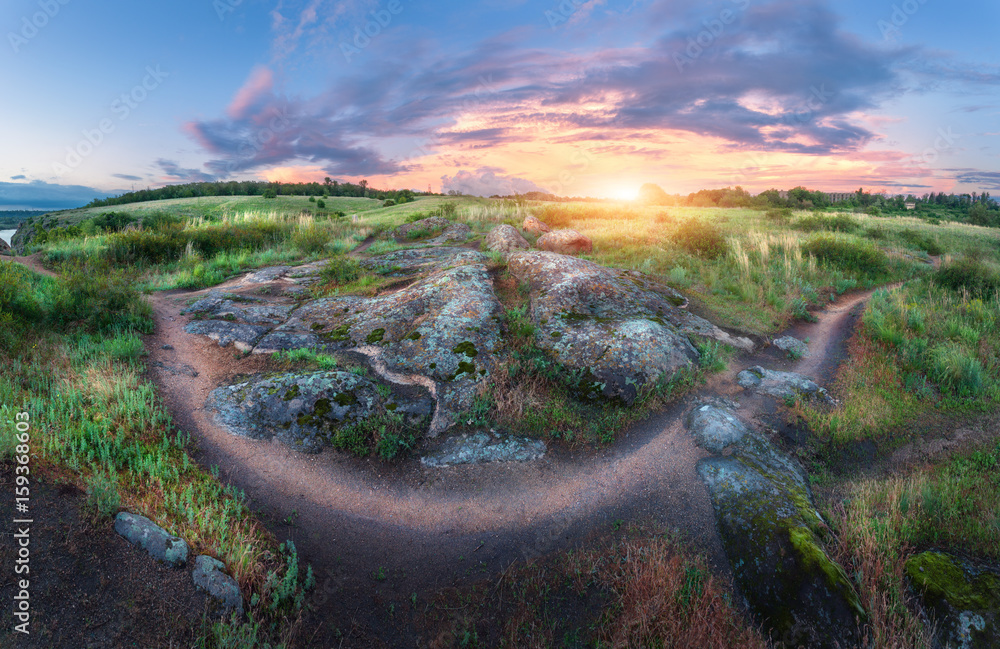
<point>33,262</point>
<point>429,528</point>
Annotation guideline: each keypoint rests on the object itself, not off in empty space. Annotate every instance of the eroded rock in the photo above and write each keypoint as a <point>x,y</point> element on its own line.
<point>423,227</point>
<point>716,428</point>
<point>481,448</point>
<point>505,238</point>
<point>768,526</point>
<point>144,533</point>
<point>963,597</point>
<point>208,575</point>
<point>565,242</point>
<point>782,385</point>
<point>242,336</point>
<point>304,410</point>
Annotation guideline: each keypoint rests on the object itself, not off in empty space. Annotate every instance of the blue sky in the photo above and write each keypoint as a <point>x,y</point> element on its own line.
<point>580,97</point>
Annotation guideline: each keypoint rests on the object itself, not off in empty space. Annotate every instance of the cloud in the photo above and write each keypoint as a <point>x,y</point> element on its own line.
<point>46,196</point>
<point>126,177</point>
<point>256,88</point>
<point>19,177</point>
<point>173,172</point>
<point>985,180</point>
<point>486,182</point>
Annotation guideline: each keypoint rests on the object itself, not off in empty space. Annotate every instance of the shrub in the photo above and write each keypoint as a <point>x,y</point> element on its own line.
<point>389,203</point>
<point>321,204</point>
<point>341,270</point>
<point>921,241</point>
<point>270,193</point>
<point>113,221</point>
<point>311,239</point>
<point>978,277</point>
<point>17,293</point>
<point>779,215</point>
<point>100,300</point>
<point>837,223</point>
<point>958,371</point>
<point>847,255</point>
<point>138,247</point>
<point>700,238</point>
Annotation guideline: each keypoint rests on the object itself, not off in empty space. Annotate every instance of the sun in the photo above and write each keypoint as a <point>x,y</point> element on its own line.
<point>623,193</point>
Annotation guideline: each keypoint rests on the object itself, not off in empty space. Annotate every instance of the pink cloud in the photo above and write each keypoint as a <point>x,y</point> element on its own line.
<point>260,83</point>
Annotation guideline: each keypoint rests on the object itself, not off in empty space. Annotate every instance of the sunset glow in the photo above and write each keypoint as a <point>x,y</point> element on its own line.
<point>499,98</point>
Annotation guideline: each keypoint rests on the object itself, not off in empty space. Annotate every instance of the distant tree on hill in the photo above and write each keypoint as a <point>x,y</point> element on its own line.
<point>650,194</point>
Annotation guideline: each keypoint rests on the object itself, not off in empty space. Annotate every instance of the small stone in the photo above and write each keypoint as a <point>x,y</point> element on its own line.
<point>715,428</point>
<point>782,385</point>
<point>208,576</point>
<point>793,346</point>
<point>168,347</point>
<point>144,533</point>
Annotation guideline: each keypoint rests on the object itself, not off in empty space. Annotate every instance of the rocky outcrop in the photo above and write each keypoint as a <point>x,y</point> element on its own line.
<point>421,261</point>
<point>241,336</point>
<point>305,410</point>
<point>565,242</point>
<point>533,226</point>
<point>782,385</point>
<point>618,329</point>
<point>768,526</point>
<point>963,598</point>
<point>208,576</point>
<point>4,248</point>
<point>144,533</point>
<point>505,238</point>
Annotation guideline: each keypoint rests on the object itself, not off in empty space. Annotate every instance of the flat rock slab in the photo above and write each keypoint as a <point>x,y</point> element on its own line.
<point>208,575</point>
<point>144,533</point>
<point>423,226</point>
<point>782,385</point>
<point>963,596</point>
<point>242,336</point>
<point>266,275</point>
<point>422,260</point>
<point>181,370</point>
<point>768,526</point>
<point>716,428</point>
<point>793,346</point>
<point>454,233</point>
<point>304,411</point>
<point>482,448</point>
<point>227,309</point>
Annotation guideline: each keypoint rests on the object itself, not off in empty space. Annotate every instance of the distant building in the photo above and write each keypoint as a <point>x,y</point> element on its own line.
<point>910,205</point>
<point>837,197</point>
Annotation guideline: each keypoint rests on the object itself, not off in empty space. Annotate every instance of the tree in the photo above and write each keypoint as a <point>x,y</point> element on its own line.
<point>651,194</point>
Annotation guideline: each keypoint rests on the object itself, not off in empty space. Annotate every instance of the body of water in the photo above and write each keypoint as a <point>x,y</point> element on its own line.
<point>7,235</point>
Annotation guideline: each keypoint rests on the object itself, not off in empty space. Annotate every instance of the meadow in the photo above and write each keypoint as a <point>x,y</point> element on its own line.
<point>926,350</point>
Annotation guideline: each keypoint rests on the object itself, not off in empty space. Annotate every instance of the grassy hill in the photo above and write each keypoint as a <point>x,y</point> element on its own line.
<point>214,208</point>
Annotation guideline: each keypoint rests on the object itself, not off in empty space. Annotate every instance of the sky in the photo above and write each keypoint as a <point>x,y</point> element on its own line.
<point>573,97</point>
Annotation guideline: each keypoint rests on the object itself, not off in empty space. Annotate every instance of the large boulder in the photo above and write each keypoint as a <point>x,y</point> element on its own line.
<point>618,329</point>
<point>533,226</point>
<point>144,533</point>
<point>304,410</point>
<point>505,238</point>
<point>565,242</point>
<point>769,529</point>
<point>963,597</point>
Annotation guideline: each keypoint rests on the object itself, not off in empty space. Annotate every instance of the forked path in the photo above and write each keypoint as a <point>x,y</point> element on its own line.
<point>427,528</point>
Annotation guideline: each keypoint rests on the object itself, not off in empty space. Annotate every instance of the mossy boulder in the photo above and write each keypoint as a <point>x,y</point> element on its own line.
<point>963,598</point>
<point>303,410</point>
<point>620,327</point>
<point>769,529</point>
